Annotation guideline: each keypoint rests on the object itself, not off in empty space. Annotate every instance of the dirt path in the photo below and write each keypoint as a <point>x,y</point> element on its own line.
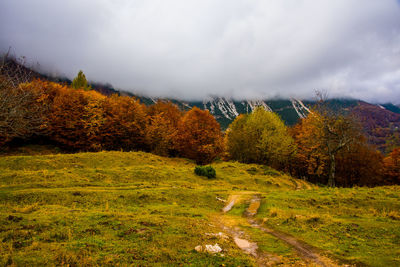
<point>231,202</point>
<point>243,241</point>
<point>305,251</point>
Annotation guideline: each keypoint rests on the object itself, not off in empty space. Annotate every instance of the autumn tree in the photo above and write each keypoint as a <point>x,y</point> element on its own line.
<point>80,82</point>
<point>311,160</point>
<point>88,121</point>
<point>199,136</point>
<point>21,112</point>
<point>163,120</point>
<point>327,138</point>
<point>260,137</point>
<point>21,109</point>
<point>359,164</point>
<point>75,118</point>
<point>392,167</point>
<point>124,123</point>
<point>320,138</point>
<point>335,132</point>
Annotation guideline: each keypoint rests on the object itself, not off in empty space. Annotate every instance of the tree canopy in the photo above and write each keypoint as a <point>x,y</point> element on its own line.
<point>80,82</point>
<point>260,137</point>
<point>199,136</point>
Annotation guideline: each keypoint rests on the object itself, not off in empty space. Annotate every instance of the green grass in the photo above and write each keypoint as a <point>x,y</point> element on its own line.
<point>120,208</point>
<point>115,208</point>
<point>360,225</point>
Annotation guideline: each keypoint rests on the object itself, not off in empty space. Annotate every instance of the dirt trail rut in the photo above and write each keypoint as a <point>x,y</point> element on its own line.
<point>242,240</point>
<point>231,202</point>
<point>305,251</point>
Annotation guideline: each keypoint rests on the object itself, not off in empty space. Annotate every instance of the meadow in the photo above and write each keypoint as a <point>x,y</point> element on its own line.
<point>122,208</point>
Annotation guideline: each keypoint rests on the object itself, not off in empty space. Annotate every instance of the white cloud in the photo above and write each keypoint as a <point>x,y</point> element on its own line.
<point>191,49</point>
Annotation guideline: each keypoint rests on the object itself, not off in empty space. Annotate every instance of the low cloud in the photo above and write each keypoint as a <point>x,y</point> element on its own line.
<point>192,49</point>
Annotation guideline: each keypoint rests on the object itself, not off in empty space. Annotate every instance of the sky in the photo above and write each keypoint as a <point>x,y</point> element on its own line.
<point>191,50</point>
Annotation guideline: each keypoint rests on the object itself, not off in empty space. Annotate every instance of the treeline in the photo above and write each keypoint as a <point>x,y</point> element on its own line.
<point>325,147</point>
<point>85,120</point>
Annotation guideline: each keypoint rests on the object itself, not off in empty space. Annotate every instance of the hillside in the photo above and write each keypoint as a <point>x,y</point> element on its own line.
<point>119,208</point>
<point>380,122</point>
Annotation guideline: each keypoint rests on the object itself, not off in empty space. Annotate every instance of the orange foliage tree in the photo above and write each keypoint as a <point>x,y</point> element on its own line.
<point>75,117</point>
<point>392,167</point>
<point>310,160</point>
<point>355,163</point>
<point>163,120</point>
<point>124,123</point>
<point>199,136</point>
<point>79,120</point>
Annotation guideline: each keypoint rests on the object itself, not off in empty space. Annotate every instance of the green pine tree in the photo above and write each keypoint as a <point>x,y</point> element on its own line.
<point>80,82</point>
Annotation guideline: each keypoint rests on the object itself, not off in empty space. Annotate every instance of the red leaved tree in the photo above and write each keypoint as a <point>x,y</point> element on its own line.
<point>124,124</point>
<point>163,120</point>
<point>199,136</point>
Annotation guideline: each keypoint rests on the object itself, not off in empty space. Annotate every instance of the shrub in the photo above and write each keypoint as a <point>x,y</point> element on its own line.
<point>206,171</point>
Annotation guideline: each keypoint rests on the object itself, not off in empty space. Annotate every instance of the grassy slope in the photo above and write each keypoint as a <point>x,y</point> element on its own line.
<point>117,207</point>
<point>360,225</point>
<point>114,207</point>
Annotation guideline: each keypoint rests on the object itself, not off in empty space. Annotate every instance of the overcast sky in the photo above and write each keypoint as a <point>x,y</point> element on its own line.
<point>235,48</point>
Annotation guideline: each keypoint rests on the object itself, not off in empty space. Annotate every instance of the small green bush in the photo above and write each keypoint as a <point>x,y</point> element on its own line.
<point>206,171</point>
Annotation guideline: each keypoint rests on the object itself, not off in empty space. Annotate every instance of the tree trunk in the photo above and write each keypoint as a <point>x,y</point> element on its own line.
<point>331,177</point>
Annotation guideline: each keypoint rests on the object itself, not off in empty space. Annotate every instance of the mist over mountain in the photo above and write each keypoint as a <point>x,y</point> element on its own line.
<point>235,49</point>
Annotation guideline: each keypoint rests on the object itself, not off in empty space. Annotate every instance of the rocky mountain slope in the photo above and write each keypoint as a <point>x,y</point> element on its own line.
<point>226,110</point>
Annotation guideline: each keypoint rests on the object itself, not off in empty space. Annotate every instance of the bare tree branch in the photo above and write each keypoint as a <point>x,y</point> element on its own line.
<point>20,112</point>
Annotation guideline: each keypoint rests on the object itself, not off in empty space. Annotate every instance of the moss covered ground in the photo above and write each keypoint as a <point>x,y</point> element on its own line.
<point>122,208</point>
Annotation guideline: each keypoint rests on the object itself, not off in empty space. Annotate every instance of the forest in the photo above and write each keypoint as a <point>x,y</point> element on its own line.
<point>326,147</point>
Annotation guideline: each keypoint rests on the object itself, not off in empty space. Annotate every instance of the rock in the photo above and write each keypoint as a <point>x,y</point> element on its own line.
<point>213,249</point>
<point>246,246</point>
<point>220,199</point>
<point>209,248</point>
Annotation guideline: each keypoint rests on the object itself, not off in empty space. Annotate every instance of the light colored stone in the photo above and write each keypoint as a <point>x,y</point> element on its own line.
<point>246,246</point>
<point>213,249</point>
<point>209,248</point>
<point>220,199</point>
